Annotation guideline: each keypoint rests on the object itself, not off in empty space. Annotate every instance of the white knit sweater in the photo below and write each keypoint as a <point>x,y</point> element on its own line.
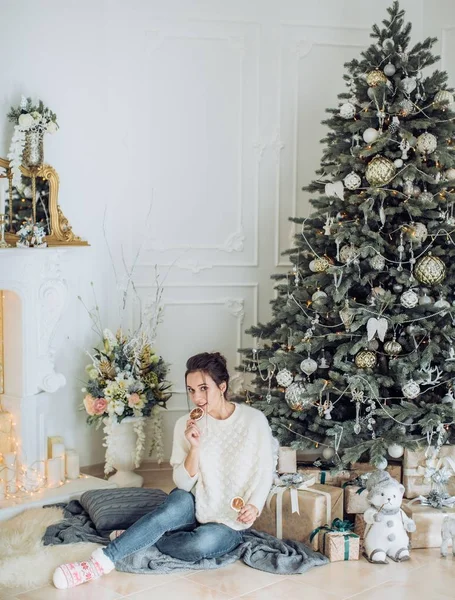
<point>236,458</point>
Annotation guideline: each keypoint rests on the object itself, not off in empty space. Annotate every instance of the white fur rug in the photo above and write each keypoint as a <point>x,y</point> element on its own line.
<point>24,562</point>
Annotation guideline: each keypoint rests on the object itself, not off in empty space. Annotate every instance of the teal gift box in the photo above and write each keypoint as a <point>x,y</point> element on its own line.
<point>338,542</point>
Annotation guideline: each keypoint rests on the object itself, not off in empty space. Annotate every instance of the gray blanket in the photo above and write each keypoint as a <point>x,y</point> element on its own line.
<point>258,550</point>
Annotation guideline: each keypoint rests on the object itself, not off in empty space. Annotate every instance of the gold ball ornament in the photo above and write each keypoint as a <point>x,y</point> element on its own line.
<point>375,78</point>
<point>443,97</point>
<point>365,359</point>
<point>393,348</point>
<point>430,270</point>
<point>320,264</point>
<point>380,171</point>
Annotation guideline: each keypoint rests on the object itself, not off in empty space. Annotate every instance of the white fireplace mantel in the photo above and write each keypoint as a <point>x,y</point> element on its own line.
<point>36,277</point>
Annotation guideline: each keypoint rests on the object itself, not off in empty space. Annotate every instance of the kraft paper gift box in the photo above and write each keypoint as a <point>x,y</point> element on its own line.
<point>324,476</point>
<point>359,528</point>
<point>317,504</point>
<point>428,522</point>
<point>414,472</point>
<point>338,542</point>
<point>355,499</point>
<point>362,468</point>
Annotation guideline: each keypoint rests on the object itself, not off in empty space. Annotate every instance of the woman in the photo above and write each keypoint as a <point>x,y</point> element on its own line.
<point>224,459</point>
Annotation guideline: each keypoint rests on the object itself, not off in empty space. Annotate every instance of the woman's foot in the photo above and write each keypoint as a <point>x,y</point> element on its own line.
<point>72,574</point>
<point>115,534</point>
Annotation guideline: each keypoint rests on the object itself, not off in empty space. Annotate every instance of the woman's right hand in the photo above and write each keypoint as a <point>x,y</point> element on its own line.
<point>192,433</point>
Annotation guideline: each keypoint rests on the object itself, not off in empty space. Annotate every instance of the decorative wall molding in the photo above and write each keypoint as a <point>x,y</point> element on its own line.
<point>243,39</point>
<point>298,43</point>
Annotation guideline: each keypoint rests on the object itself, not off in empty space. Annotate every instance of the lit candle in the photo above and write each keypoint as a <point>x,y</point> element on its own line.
<point>72,464</point>
<point>58,451</point>
<point>287,460</point>
<point>53,468</point>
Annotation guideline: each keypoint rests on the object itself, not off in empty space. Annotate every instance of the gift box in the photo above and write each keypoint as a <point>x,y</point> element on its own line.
<point>338,542</point>
<point>360,527</point>
<point>355,499</point>
<point>317,505</point>
<point>358,469</point>
<point>414,472</point>
<point>428,522</point>
<point>324,476</point>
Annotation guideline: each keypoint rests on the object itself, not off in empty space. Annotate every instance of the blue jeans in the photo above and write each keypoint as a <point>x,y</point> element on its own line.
<point>173,528</point>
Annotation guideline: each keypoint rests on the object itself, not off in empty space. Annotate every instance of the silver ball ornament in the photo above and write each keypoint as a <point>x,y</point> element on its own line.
<point>371,93</point>
<point>352,181</point>
<point>348,254</point>
<point>347,110</point>
<point>397,288</point>
<point>398,162</point>
<point>406,108</point>
<point>284,377</point>
<point>318,295</point>
<point>308,366</point>
<point>426,197</point>
<point>295,397</point>
<point>389,69</point>
<point>395,450</point>
<point>426,143</point>
<point>409,299</point>
<point>381,464</point>
<point>417,232</point>
<point>443,97</point>
<point>416,191</point>
<point>377,262</point>
<point>450,174</point>
<point>411,389</point>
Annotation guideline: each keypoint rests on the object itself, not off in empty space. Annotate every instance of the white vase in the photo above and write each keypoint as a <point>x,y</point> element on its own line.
<point>121,448</point>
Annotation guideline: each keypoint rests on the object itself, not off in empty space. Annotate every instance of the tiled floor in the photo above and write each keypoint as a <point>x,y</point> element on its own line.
<point>425,577</point>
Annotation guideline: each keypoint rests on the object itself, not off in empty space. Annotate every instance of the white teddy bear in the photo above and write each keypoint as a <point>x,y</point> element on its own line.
<point>386,523</point>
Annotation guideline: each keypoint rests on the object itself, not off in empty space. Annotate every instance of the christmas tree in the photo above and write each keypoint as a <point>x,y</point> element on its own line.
<point>359,356</point>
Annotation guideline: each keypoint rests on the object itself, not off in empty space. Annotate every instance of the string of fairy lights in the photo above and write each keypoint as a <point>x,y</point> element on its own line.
<point>20,482</point>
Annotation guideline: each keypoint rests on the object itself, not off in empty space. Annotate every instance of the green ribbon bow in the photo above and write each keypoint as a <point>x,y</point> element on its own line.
<point>338,526</point>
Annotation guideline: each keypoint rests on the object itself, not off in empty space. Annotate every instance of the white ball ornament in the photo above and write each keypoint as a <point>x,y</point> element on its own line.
<point>398,163</point>
<point>450,174</point>
<point>426,143</point>
<point>347,110</point>
<point>388,42</point>
<point>370,135</point>
<point>284,377</point>
<point>417,232</point>
<point>395,450</point>
<point>328,452</point>
<point>352,181</point>
<point>389,69</point>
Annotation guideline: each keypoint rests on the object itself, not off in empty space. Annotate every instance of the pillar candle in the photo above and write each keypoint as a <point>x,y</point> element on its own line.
<point>54,469</point>
<point>58,451</point>
<point>287,460</point>
<point>72,464</point>
<point>2,489</point>
<point>9,459</point>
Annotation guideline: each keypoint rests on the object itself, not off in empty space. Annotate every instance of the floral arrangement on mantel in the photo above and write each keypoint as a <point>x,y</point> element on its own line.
<point>28,118</point>
<point>127,379</point>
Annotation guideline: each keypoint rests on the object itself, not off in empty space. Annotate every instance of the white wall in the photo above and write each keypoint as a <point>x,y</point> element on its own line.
<point>211,108</point>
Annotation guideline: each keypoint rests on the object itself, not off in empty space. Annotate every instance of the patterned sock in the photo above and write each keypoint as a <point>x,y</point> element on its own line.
<point>72,574</point>
<point>115,534</point>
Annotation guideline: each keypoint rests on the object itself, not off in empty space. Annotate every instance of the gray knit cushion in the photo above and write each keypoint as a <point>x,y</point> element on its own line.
<point>119,508</point>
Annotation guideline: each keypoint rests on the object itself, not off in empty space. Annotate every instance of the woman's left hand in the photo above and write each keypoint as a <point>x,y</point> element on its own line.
<point>248,514</point>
